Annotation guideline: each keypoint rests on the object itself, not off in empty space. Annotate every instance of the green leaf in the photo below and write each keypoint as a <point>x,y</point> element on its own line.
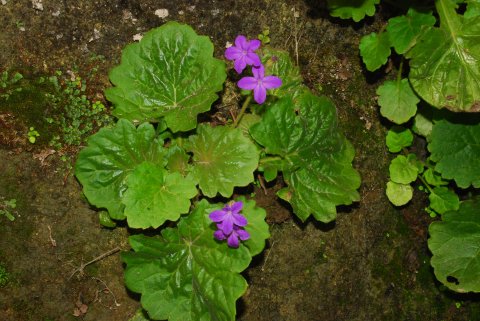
<point>354,9</point>
<point>402,170</point>
<point>473,9</point>
<point>403,31</point>
<point>105,219</point>
<point>375,50</point>
<point>454,243</point>
<point>455,147</point>
<point>177,160</point>
<point>314,156</point>
<point>399,194</point>
<point>433,178</point>
<point>170,73</point>
<point>397,100</point>
<point>222,159</point>
<point>398,138</point>
<point>112,153</point>
<point>279,63</point>
<point>154,196</point>
<point>445,62</point>
<point>186,275</point>
<point>422,125</point>
<point>443,200</point>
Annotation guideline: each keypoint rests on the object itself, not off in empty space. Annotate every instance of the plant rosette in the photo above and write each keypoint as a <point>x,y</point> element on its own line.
<point>156,167</point>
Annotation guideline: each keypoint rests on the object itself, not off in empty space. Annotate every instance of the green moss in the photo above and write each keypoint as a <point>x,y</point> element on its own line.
<point>4,276</point>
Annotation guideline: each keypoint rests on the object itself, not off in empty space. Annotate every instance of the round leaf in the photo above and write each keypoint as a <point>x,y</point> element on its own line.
<point>397,100</point>
<point>170,73</point>
<point>399,194</point>
<point>155,195</point>
<point>111,154</point>
<point>454,242</point>
<point>402,170</point>
<point>398,138</point>
<point>222,159</point>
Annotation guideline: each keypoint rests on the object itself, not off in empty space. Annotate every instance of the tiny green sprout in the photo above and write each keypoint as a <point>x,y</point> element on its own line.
<point>264,36</point>
<point>387,235</point>
<point>4,277</point>
<point>458,305</point>
<point>32,135</point>
<point>7,208</point>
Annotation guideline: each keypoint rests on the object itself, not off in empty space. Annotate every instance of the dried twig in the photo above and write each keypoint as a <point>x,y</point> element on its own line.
<point>98,258</point>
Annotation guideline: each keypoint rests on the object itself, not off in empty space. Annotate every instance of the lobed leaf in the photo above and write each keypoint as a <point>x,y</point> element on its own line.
<point>455,243</point>
<point>354,9</point>
<point>302,135</point>
<point>186,275</point>
<point>398,138</point>
<point>455,147</point>
<point>403,31</point>
<point>170,73</point>
<point>222,159</point>
<point>155,195</point>
<point>397,100</point>
<point>375,50</point>
<point>111,155</point>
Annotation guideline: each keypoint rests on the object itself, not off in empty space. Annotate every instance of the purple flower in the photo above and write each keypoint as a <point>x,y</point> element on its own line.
<point>228,217</point>
<point>232,238</point>
<point>259,83</point>
<point>243,53</point>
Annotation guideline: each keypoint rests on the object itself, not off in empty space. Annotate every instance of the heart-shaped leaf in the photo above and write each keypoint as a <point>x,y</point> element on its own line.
<point>445,62</point>
<point>154,195</point>
<point>222,159</point>
<point>187,275</point>
<point>455,243</point>
<point>170,73</point>
<point>402,170</point>
<point>303,136</point>
<point>112,153</point>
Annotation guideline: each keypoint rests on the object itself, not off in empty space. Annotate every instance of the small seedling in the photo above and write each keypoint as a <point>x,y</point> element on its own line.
<point>32,135</point>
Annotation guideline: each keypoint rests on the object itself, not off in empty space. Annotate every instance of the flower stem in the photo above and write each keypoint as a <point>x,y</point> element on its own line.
<point>242,111</point>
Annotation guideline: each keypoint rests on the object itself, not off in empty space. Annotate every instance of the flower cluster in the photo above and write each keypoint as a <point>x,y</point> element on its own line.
<point>243,54</point>
<point>230,224</point>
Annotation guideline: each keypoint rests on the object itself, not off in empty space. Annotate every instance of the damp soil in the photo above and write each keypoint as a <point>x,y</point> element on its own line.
<point>372,263</point>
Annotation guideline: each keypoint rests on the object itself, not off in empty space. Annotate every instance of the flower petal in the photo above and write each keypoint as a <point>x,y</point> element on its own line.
<point>260,94</point>
<point>227,225</point>
<point>232,240</point>
<point>247,83</point>
<point>243,235</point>
<point>219,235</point>
<point>271,82</point>
<point>218,215</point>
<point>258,72</point>
<point>254,44</point>
<point>241,42</point>
<point>236,207</point>
<point>240,64</point>
<point>233,53</point>
<point>239,220</point>
<point>252,59</point>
